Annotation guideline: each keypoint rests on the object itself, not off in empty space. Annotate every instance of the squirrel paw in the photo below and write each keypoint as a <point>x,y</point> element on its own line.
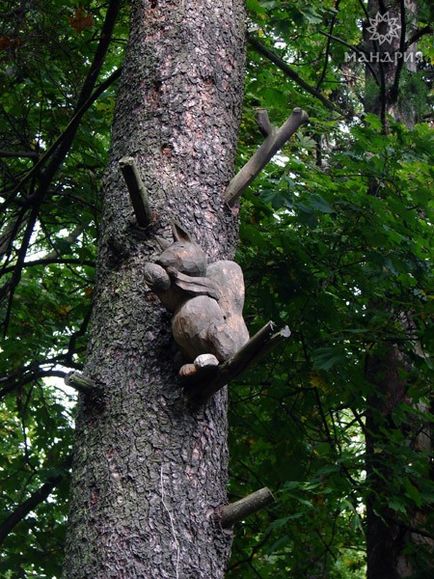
<point>187,370</point>
<point>205,360</point>
<point>200,362</point>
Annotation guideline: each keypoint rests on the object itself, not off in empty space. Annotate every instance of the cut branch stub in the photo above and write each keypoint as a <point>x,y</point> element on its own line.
<point>235,512</point>
<point>136,188</point>
<point>275,139</point>
<point>201,384</point>
<point>81,383</point>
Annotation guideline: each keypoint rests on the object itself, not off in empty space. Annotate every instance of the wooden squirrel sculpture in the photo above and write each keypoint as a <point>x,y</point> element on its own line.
<point>206,300</point>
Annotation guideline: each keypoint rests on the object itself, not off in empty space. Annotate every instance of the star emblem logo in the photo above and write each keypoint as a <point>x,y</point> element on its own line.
<point>384,28</point>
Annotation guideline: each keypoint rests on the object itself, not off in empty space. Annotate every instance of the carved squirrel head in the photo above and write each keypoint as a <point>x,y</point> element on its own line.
<point>184,255</point>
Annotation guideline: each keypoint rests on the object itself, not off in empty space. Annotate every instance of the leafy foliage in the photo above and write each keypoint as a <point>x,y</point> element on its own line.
<point>338,224</point>
<point>45,52</point>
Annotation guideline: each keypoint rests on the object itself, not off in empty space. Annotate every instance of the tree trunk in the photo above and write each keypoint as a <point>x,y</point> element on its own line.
<point>387,537</point>
<point>149,470</point>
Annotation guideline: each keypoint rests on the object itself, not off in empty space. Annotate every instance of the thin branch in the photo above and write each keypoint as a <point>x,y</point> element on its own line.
<point>69,239</point>
<point>59,149</point>
<point>12,229</point>
<point>65,140</point>
<point>358,419</point>
<point>292,74</point>
<point>10,286</point>
<point>394,90</point>
<point>275,140</point>
<point>36,200</point>
<point>87,88</point>
<point>255,549</point>
<point>101,51</point>
<point>76,335</point>
<point>51,261</point>
<point>328,45</point>
<point>67,135</point>
<point>332,443</point>
<point>14,382</point>
<point>61,146</point>
<point>417,35</point>
<point>255,571</point>
<point>19,154</point>
<point>364,8</point>
<point>31,503</point>
<point>355,49</point>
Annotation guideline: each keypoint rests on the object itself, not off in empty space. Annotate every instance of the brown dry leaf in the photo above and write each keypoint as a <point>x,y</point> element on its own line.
<point>81,19</point>
<point>7,42</point>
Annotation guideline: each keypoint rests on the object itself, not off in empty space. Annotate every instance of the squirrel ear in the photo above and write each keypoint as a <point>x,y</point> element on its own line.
<point>179,233</point>
<point>162,242</point>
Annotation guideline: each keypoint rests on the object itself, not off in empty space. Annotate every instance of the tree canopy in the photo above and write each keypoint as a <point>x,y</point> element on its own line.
<point>337,225</point>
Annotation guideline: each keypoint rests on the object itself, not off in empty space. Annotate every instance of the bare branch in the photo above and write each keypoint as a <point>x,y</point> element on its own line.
<point>101,51</point>
<point>292,74</point>
<point>275,140</point>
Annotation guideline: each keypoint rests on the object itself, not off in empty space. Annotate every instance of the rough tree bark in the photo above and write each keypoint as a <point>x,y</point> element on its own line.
<point>149,471</point>
<point>387,537</point>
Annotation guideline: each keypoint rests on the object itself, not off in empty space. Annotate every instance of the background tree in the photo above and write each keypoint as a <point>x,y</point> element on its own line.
<point>318,250</point>
<point>392,545</point>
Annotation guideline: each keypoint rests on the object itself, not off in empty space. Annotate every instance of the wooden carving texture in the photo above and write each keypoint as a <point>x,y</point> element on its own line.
<point>206,300</point>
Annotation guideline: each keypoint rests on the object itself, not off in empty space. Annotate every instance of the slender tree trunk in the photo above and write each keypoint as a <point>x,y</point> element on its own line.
<point>149,470</point>
<point>387,536</point>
